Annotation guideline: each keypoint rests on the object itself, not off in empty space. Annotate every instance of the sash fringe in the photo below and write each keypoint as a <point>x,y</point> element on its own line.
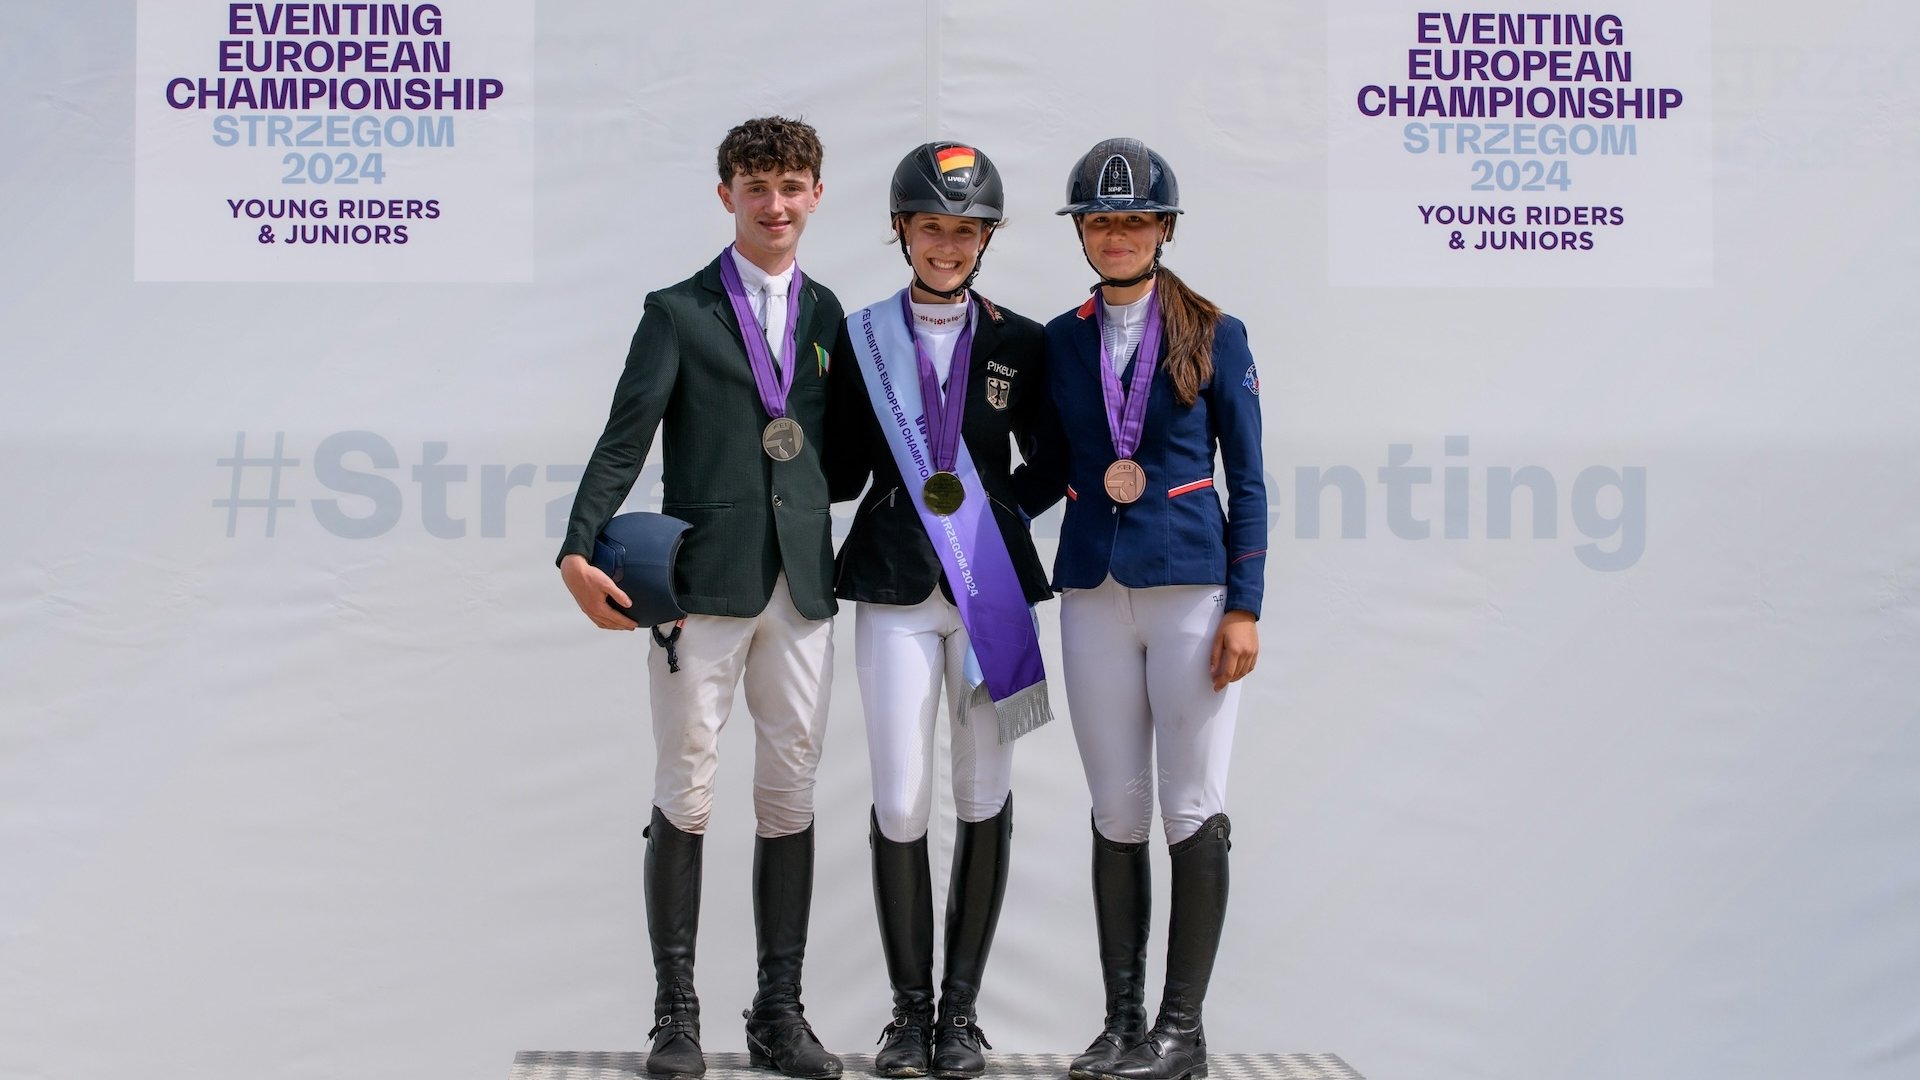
<point>1020,712</point>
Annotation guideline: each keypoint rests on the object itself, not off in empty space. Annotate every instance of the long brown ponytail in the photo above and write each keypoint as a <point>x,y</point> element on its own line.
<point>1188,320</point>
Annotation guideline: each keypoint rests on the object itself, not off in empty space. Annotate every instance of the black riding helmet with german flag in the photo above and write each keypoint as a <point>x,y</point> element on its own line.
<point>947,178</point>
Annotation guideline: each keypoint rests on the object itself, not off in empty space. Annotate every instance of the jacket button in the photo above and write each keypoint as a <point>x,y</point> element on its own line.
<point>776,500</point>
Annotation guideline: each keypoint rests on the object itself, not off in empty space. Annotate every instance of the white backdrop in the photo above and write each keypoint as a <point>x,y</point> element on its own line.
<point>280,802</point>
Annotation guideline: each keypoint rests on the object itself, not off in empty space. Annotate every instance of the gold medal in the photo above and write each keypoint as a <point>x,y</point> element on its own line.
<point>782,439</point>
<point>1126,481</point>
<point>943,493</point>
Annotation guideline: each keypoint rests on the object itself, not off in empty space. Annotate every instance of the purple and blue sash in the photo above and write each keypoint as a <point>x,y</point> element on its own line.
<point>986,589</point>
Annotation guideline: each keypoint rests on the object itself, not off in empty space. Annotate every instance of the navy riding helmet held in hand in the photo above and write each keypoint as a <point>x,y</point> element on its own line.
<point>637,551</point>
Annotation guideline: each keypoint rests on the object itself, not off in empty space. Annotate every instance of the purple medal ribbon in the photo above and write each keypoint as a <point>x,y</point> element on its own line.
<point>1127,420</point>
<point>944,414</point>
<point>773,394</point>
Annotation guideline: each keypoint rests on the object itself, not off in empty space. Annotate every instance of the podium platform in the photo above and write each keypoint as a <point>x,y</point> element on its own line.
<point>629,1065</point>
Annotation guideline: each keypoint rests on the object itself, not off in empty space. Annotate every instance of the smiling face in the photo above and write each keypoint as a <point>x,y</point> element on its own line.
<point>770,210</point>
<point>1121,244</point>
<point>943,248</point>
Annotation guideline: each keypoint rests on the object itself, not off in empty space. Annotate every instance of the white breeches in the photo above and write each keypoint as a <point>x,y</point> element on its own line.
<point>1139,686</point>
<point>905,655</point>
<point>786,663</point>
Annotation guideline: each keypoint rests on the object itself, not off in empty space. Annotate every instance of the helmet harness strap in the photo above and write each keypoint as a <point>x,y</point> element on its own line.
<point>900,234</point>
<point>1166,233</point>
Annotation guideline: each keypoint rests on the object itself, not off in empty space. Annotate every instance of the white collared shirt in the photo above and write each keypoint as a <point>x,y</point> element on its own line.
<point>939,326</point>
<point>767,293</point>
<point>1120,333</point>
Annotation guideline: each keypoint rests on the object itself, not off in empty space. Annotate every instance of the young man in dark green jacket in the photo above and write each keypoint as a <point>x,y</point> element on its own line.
<point>731,367</point>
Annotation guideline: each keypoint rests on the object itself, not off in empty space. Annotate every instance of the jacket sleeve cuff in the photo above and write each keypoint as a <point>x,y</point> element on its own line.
<point>573,547</point>
<point>1246,582</point>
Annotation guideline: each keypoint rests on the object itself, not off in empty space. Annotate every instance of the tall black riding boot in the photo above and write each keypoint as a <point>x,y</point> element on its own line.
<point>1122,902</point>
<point>978,885</point>
<point>778,1035</point>
<point>1176,1047</point>
<point>903,898</point>
<point>673,921</point>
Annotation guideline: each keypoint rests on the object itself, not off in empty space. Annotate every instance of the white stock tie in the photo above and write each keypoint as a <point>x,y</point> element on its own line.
<point>773,319</point>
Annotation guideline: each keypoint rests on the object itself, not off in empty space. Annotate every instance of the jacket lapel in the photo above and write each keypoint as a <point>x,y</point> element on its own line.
<point>805,333</point>
<point>1086,342</point>
<point>722,308</point>
<point>986,342</point>
<point>986,333</point>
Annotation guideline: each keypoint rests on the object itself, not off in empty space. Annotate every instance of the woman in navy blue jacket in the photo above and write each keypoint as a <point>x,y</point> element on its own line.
<point>1160,591</point>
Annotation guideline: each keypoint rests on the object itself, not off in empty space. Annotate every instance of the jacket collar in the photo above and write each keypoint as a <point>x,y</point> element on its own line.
<point>986,328</point>
<point>1086,335</point>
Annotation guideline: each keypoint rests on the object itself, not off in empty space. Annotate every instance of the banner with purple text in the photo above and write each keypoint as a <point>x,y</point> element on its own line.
<point>334,142</point>
<point>1500,144</point>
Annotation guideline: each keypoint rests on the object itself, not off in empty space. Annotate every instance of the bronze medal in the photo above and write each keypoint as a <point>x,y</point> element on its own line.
<point>943,493</point>
<point>782,439</point>
<point>1126,481</point>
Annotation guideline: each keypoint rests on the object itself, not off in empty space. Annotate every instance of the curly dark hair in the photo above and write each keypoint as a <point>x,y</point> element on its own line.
<point>770,144</point>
